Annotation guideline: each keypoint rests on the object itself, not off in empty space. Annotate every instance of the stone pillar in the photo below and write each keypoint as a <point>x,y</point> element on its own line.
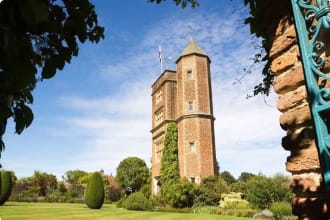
<point>309,200</point>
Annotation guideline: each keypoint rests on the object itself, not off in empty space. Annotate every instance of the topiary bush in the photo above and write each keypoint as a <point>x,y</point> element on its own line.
<point>6,185</point>
<point>137,201</point>
<point>94,196</point>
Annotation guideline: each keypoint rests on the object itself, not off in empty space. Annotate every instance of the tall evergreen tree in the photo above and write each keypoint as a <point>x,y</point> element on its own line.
<point>94,196</point>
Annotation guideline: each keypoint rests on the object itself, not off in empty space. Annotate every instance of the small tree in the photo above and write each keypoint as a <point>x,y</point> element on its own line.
<point>132,173</point>
<point>259,192</point>
<point>6,185</point>
<point>210,191</point>
<point>94,196</point>
<point>228,177</point>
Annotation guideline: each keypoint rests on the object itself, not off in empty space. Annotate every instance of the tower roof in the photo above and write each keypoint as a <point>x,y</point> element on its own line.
<point>191,48</point>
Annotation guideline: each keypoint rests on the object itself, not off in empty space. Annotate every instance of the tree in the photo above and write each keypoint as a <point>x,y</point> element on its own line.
<point>239,187</point>
<point>182,194</point>
<point>43,182</point>
<point>228,177</point>
<point>245,176</point>
<point>210,191</point>
<point>37,38</point>
<point>263,191</point>
<point>281,189</point>
<point>94,196</point>
<point>259,191</point>
<point>74,176</point>
<point>132,172</point>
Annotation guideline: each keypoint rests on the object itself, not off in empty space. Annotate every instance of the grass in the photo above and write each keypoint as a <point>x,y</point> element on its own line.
<point>66,211</point>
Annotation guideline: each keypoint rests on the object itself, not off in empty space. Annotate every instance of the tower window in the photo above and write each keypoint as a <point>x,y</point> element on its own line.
<point>159,117</point>
<point>190,106</point>
<point>158,96</point>
<point>192,146</point>
<point>189,74</point>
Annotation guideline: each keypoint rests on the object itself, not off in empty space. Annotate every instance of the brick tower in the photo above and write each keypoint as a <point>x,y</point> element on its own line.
<point>185,96</point>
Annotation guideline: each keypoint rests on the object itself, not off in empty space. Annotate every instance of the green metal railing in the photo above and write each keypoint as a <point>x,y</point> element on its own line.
<point>312,22</point>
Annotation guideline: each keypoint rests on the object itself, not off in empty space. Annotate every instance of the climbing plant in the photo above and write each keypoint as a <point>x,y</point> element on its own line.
<point>169,170</point>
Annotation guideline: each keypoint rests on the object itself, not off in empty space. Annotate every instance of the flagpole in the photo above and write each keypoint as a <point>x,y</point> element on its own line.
<point>160,58</point>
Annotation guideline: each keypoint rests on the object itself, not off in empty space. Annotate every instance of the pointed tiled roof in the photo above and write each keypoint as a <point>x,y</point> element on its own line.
<point>192,48</point>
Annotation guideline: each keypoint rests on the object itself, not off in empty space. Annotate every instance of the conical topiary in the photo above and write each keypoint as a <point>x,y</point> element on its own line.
<point>5,186</point>
<point>94,196</point>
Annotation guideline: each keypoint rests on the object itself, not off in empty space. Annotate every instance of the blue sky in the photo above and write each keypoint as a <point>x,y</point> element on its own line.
<point>97,111</point>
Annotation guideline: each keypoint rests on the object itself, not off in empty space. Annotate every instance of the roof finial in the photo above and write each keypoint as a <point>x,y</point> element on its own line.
<point>191,31</point>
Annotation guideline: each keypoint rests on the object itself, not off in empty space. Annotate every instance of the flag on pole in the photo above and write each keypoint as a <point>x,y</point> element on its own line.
<point>160,54</point>
<point>160,58</point>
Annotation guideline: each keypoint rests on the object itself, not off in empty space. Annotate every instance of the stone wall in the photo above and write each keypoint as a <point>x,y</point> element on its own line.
<point>309,201</point>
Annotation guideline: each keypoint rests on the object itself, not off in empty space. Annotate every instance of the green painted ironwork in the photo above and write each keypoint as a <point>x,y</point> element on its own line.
<point>312,22</point>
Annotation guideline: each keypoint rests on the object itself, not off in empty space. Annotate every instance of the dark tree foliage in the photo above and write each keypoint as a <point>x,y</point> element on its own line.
<point>264,16</point>
<point>44,182</point>
<point>94,196</point>
<point>228,177</point>
<point>132,172</point>
<point>245,176</point>
<point>37,38</point>
<point>183,3</point>
<point>6,185</point>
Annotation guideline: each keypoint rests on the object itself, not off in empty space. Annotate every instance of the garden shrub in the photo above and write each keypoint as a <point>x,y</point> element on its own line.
<point>181,194</point>
<point>146,190</point>
<point>5,186</point>
<point>137,201</point>
<point>94,196</point>
<point>282,210</point>
<point>210,190</point>
<point>233,204</point>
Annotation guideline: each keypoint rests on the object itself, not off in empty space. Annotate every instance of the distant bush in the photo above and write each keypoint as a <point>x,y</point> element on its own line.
<point>5,186</point>
<point>94,197</point>
<point>282,210</point>
<point>137,201</point>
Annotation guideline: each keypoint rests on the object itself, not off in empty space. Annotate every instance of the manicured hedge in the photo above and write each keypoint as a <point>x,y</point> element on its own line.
<point>94,196</point>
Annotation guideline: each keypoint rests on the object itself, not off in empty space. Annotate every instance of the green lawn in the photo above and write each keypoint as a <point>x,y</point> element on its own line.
<point>61,211</point>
